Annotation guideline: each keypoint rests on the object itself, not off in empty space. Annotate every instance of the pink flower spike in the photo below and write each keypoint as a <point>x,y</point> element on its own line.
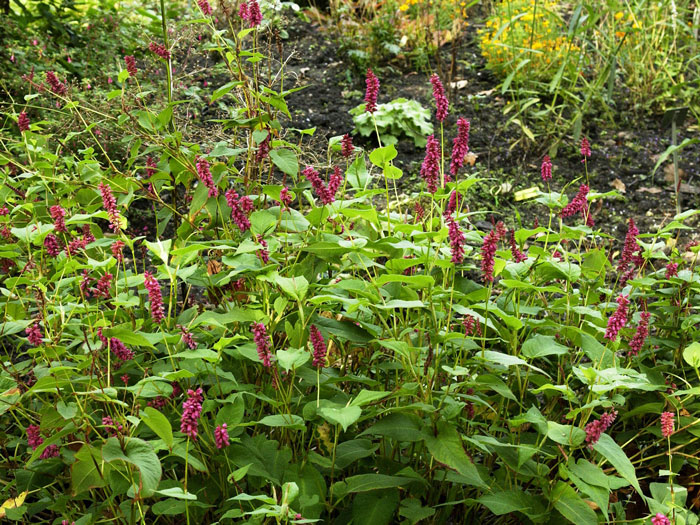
<point>55,85</point>
<point>457,240</point>
<point>221,436</point>
<point>518,256</point>
<point>346,147</point>
<point>262,343</point>
<point>671,270</point>
<point>254,14</point>
<point>460,146</point>
<point>595,429</point>
<point>488,254</point>
<point>191,410</point>
<point>617,320</point>
<point>319,346</point>
<point>660,519</point>
<point>546,169</point>
<point>154,295</point>
<point>130,61</point>
<point>58,215</point>
<point>637,342</point>
<point>110,205</point>
<point>23,122</point>
<point>34,438</point>
<point>585,149</point>
<point>372,92</point>
<point>667,424</point>
<point>243,10</point>
<point>205,7</point>
<point>630,247</point>
<point>34,335</point>
<point>160,50</point>
<point>579,204</point>
<point>430,169</point>
<point>441,102</point>
<point>205,176</point>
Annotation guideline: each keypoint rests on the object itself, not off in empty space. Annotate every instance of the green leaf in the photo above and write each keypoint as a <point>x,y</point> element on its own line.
<point>343,416</point>
<point>223,90</point>
<point>293,358</point>
<point>283,420</point>
<point>85,473</point>
<point>368,396</point>
<point>414,281</point>
<point>376,508</point>
<point>285,160</point>
<point>295,287</point>
<point>128,337</point>
<point>262,222</point>
<point>398,426</point>
<point>357,174</point>
<point>140,454</point>
<point>348,452</point>
<point>541,346</point>
<point>447,448</point>
<point>177,493</point>
<point>571,506</point>
<point>67,411</point>
<point>507,501</point>
<point>691,354</point>
<point>611,451</point>
<point>157,422</point>
<point>565,434</point>
<point>160,249</point>
<point>381,156</point>
<point>369,482</point>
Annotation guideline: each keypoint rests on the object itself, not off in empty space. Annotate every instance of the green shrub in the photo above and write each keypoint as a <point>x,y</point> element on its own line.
<point>400,117</point>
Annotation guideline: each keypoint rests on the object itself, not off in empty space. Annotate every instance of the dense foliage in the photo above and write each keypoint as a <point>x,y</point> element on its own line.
<point>246,330</point>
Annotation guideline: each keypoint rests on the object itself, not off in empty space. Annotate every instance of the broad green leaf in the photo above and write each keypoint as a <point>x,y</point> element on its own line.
<point>285,160</point>
<point>446,447</point>
<point>541,346</point>
<point>293,358</point>
<point>691,354</point>
<point>611,451</point>
<point>262,222</point>
<point>375,508</point>
<point>399,426</point>
<point>571,506</point>
<point>380,156</point>
<point>368,396</point>
<point>369,482</point>
<point>357,174</point>
<point>565,434</point>
<point>507,501</point>
<point>283,420</point>
<point>177,493</point>
<point>140,454</point>
<point>160,249</point>
<point>348,452</point>
<point>343,416</point>
<point>157,422</point>
<point>85,473</point>
<point>295,287</point>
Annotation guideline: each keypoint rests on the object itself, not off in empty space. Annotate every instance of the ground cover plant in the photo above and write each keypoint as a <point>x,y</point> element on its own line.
<point>247,326</point>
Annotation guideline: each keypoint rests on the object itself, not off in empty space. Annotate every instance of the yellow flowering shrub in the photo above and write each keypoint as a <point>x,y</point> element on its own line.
<point>521,30</point>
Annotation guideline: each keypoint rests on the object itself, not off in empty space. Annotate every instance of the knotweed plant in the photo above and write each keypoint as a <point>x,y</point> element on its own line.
<point>277,348</point>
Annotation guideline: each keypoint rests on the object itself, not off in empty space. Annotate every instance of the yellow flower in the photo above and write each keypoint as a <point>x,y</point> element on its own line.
<point>404,7</point>
<point>619,15</point>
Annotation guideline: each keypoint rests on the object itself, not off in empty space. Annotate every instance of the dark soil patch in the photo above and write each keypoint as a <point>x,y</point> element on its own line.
<point>624,151</point>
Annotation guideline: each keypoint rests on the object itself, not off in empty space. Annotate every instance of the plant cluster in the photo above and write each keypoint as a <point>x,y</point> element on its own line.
<point>528,37</point>
<point>394,119</point>
<point>278,349</point>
